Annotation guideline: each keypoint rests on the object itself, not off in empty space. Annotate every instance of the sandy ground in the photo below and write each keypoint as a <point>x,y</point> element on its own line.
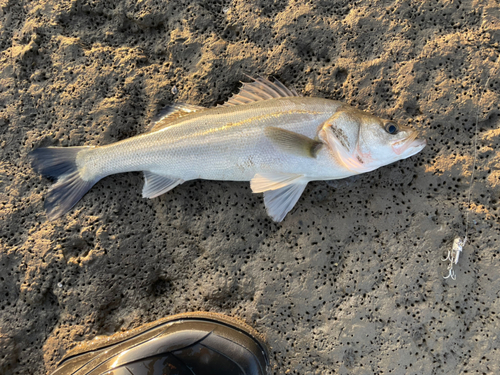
<point>352,281</point>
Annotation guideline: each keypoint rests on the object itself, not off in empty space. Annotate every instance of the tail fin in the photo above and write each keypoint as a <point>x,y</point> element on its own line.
<point>60,163</point>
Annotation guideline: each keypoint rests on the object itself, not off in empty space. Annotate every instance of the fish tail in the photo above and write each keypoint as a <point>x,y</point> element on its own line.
<point>59,163</point>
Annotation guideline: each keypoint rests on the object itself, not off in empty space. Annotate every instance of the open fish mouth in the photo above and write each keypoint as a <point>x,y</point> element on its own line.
<point>409,143</point>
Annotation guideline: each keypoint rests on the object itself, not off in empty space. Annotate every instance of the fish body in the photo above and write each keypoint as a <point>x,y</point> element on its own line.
<point>265,134</point>
<point>222,143</point>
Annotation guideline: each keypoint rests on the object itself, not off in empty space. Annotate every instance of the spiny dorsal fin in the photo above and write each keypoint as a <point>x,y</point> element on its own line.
<point>259,89</point>
<point>171,113</point>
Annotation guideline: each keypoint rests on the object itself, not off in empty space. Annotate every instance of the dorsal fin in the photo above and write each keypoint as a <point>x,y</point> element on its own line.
<point>259,89</point>
<point>170,113</point>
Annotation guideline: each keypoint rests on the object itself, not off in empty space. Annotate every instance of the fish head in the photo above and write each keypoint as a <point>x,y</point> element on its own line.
<point>386,141</point>
<point>363,142</point>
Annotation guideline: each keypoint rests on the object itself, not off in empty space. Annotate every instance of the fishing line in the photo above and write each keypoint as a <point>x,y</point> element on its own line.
<point>459,242</point>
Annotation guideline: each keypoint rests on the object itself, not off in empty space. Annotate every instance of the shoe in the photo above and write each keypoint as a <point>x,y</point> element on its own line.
<point>185,344</point>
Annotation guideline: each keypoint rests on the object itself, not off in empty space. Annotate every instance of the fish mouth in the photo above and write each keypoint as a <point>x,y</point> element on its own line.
<point>410,143</point>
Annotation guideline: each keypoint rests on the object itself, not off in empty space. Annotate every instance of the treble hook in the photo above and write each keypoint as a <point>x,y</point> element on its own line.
<point>447,257</point>
<point>451,273</point>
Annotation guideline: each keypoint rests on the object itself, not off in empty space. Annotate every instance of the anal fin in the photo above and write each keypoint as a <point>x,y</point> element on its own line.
<point>156,185</point>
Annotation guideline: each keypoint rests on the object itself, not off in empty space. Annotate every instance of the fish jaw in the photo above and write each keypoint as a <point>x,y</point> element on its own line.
<point>409,146</point>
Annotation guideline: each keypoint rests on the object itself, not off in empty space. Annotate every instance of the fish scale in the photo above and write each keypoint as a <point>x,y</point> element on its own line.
<point>265,134</point>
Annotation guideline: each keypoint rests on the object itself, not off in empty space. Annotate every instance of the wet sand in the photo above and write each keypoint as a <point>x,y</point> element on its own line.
<point>351,282</point>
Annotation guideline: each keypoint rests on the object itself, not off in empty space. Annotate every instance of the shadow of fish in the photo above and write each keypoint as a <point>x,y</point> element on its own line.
<point>266,134</point>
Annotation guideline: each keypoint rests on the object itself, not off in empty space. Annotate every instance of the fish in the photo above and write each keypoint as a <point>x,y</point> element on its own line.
<point>266,133</point>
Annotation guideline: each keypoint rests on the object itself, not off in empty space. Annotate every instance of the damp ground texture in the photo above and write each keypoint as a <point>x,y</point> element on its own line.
<point>351,282</point>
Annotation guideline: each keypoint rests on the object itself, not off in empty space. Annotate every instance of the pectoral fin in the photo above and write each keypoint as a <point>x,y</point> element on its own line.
<point>156,185</point>
<point>281,191</point>
<point>292,142</point>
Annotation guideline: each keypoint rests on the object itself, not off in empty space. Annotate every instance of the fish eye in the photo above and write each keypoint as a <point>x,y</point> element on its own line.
<point>391,128</point>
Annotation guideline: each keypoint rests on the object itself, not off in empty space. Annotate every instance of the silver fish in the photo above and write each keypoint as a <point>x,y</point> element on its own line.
<point>266,134</point>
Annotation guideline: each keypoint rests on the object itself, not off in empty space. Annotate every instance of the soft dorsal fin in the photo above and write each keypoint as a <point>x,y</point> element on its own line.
<point>170,113</point>
<point>258,90</point>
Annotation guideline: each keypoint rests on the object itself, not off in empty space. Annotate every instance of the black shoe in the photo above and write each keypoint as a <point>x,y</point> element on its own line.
<point>184,344</point>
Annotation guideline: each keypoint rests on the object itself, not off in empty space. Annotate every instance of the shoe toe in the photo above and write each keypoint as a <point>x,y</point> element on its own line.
<point>193,343</point>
